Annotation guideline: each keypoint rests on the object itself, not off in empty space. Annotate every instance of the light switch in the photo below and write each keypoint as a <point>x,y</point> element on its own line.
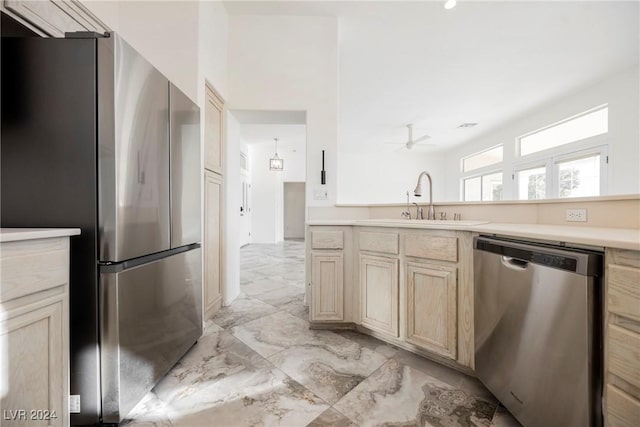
<point>320,194</point>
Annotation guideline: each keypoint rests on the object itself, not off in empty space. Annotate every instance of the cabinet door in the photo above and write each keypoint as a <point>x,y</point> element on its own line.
<point>212,244</point>
<point>213,131</point>
<point>327,300</point>
<point>379,293</point>
<point>431,308</point>
<point>34,358</point>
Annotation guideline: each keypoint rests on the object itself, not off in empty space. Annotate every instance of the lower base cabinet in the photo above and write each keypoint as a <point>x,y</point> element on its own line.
<point>622,339</point>
<point>327,302</point>
<point>432,308</point>
<point>412,288</point>
<point>34,332</point>
<point>379,294</point>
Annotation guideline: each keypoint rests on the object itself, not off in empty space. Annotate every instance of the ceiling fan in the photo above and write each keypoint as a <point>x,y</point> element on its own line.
<point>410,142</point>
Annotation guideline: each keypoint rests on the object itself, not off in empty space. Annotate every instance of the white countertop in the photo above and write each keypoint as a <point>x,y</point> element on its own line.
<point>15,234</point>
<point>621,238</point>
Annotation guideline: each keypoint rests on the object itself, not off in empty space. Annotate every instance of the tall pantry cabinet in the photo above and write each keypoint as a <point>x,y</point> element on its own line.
<point>214,137</point>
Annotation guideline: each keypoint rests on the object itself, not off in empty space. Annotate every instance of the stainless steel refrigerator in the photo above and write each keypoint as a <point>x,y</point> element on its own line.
<point>93,136</point>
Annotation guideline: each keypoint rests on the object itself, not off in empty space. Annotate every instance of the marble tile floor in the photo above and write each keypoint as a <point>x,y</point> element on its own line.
<point>259,364</point>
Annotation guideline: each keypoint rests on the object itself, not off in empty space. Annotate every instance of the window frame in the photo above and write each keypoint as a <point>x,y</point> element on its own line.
<point>551,162</point>
<point>485,171</point>
<point>492,165</point>
<point>491,169</point>
<point>518,148</point>
<point>527,166</point>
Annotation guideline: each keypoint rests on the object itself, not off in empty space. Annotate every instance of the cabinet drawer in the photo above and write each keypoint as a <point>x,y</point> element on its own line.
<point>624,291</point>
<point>379,242</point>
<point>431,247</point>
<point>624,354</point>
<point>622,409</point>
<point>30,266</point>
<point>329,239</point>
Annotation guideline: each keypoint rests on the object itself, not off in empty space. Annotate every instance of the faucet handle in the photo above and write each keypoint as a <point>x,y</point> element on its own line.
<point>406,214</point>
<point>443,216</point>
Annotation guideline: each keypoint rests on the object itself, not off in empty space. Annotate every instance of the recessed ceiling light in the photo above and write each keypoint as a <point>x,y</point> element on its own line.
<point>450,4</point>
<point>467,125</point>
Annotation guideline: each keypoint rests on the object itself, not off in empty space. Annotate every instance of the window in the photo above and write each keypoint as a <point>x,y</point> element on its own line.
<point>588,124</point>
<point>483,187</point>
<point>531,183</point>
<point>574,174</point>
<point>485,182</point>
<point>566,159</point>
<point>579,177</point>
<point>482,159</point>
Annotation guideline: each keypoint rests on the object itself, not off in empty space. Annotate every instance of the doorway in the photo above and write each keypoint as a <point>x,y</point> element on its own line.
<point>293,207</point>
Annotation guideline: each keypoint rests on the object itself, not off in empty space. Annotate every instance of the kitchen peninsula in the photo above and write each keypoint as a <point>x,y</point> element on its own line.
<point>411,283</point>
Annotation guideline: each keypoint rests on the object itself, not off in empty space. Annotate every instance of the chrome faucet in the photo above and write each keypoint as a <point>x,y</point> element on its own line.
<point>419,214</point>
<point>431,212</point>
<point>407,214</point>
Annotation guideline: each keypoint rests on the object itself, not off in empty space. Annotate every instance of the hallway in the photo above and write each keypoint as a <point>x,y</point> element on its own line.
<point>259,364</point>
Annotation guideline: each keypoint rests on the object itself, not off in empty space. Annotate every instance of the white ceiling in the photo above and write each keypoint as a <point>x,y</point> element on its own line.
<point>488,62</point>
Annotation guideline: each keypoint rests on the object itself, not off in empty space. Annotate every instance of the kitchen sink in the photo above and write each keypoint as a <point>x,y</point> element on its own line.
<point>427,222</point>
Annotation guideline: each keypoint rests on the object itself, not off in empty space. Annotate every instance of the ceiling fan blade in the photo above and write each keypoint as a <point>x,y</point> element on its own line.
<point>422,138</point>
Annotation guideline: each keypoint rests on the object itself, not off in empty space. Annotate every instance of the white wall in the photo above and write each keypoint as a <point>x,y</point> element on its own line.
<point>245,220</point>
<point>385,177</point>
<point>621,91</point>
<point>232,203</point>
<point>289,63</point>
<point>267,188</point>
<point>164,32</point>
<point>213,41</point>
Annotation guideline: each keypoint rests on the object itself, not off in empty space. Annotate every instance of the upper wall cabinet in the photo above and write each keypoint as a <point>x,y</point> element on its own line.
<point>55,17</point>
<point>213,131</point>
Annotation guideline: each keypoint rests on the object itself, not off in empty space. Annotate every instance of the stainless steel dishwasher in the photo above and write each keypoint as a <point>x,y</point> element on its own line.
<point>538,330</point>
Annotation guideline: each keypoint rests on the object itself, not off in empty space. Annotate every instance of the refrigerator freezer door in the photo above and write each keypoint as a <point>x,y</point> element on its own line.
<point>133,138</point>
<point>150,316</point>
<point>185,169</point>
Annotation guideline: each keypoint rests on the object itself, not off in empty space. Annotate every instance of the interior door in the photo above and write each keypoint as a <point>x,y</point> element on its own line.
<point>294,199</point>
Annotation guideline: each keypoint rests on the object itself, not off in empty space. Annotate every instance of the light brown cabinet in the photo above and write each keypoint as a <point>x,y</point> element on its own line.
<point>214,127</point>
<point>432,314</point>
<point>55,17</point>
<point>212,289</point>
<point>327,290</point>
<point>214,139</point>
<point>411,288</point>
<point>34,331</point>
<point>622,338</point>
<point>379,293</point>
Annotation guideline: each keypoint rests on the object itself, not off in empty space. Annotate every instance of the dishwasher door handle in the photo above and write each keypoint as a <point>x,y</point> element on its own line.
<point>514,263</point>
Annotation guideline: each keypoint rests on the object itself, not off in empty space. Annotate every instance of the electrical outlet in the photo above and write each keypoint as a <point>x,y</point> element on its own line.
<point>320,194</point>
<point>74,403</point>
<point>576,215</point>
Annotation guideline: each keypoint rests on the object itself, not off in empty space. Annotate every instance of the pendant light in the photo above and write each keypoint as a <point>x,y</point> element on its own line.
<point>276,163</point>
